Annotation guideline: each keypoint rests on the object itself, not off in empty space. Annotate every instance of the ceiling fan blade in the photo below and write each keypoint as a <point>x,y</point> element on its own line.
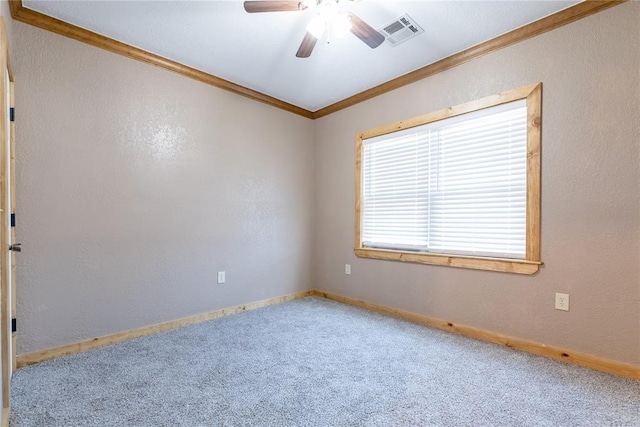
<point>365,32</point>
<point>273,6</point>
<point>307,45</point>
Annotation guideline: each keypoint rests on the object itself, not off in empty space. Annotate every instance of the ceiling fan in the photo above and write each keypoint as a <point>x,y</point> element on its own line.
<point>329,20</point>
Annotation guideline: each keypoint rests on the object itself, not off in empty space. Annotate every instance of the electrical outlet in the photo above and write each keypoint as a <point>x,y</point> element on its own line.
<point>221,277</point>
<point>347,269</point>
<point>562,302</point>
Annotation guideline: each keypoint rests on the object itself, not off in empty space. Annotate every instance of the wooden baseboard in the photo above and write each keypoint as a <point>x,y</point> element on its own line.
<point>589,361</point>
<point>557,353</point>
<point>79,347</point>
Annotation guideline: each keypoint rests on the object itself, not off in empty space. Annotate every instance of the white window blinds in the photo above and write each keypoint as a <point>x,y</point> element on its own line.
<point>455,186</point>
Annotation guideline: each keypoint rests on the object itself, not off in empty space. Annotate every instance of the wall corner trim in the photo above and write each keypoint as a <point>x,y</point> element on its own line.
<point>551,352</point>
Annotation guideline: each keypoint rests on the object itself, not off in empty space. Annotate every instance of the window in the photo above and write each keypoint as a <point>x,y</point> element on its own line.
<point>458,187</point>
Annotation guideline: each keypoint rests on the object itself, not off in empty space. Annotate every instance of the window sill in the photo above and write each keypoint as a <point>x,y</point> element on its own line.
<point>492,264</point>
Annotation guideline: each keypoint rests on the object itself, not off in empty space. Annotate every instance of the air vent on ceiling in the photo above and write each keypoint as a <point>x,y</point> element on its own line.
<point>401,30</point>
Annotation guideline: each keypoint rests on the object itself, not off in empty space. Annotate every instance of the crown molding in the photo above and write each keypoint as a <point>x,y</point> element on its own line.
<point>37,19</point>
<point>556,20</point>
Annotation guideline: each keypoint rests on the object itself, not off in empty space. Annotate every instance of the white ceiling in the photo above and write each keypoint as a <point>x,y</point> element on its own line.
<point>258,50</point>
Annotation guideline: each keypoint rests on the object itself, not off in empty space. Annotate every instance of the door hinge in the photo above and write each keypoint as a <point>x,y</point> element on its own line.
<point>12,114</point>
<point>13,325</point>
<point>13,220</point>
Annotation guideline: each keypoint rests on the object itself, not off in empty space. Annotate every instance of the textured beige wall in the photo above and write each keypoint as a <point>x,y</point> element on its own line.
<point>590,194</point>
<point>136,185</point>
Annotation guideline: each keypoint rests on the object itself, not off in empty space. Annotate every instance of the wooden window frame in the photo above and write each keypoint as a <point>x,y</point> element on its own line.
<point>531,263</point>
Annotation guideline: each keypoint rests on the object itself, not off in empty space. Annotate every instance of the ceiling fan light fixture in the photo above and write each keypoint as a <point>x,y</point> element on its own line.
<point>329,22</point>
<point>329,19</point>
<point>340,25</point>
<point>316,26</point>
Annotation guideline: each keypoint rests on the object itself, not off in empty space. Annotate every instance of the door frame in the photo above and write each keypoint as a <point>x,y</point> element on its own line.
<point>12,177</point>
<point>7,300</point>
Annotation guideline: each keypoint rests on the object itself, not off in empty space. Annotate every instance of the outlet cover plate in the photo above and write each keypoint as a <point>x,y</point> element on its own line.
<point>562,302</point>
<point>221,277</point>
